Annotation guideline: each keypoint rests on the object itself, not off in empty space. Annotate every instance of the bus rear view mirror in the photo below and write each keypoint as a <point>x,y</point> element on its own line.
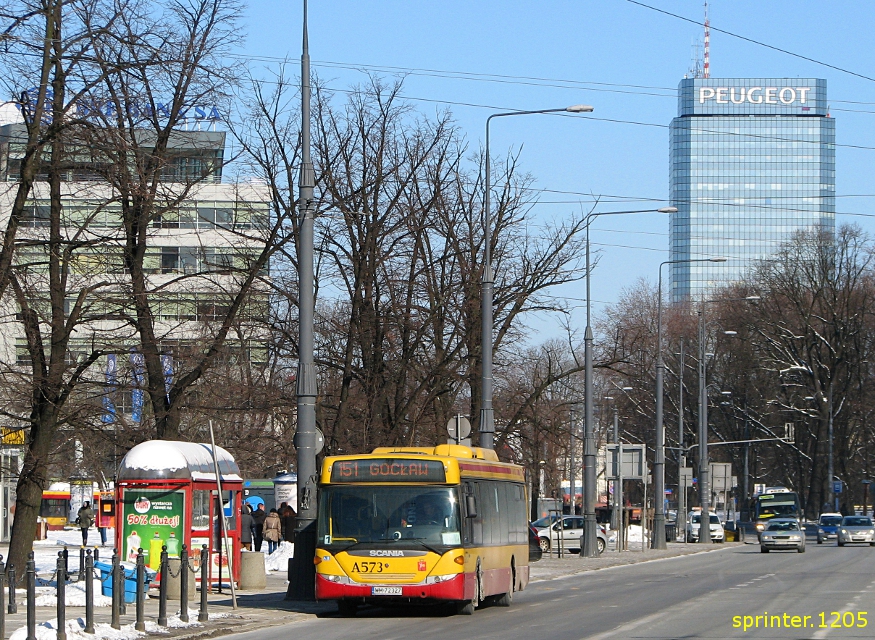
<point>470,506</point>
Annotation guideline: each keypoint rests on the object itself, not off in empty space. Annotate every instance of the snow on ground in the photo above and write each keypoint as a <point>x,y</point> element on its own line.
<point>279,559</point>
<point>74,595</point>
<point>76,631</point>
<point>45,552</point>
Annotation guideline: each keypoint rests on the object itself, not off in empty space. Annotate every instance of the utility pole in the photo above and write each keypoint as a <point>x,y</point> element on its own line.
<point>833,500</point>
<point>302,574</point>
<point>704,485</point>
<point>681,519</point>
<point>618,489</point>
<point>573,443</point>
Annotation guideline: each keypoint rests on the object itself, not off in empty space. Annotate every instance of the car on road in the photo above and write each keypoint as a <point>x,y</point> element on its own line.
<point>828,526</point>
<point>782,534</point>
<point>855,529</point>
<point>693,526</point>
<point>569,529</point>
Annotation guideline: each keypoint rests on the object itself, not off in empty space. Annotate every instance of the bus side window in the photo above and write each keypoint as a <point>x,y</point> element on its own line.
<point>506,535</point>
<point>477,533</point>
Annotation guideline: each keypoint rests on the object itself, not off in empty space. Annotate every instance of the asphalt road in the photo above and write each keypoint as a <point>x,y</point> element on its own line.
<point>686,597</point>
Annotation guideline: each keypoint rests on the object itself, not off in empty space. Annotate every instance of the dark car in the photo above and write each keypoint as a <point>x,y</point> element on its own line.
<point>535,552</point>
<point>828,526</point>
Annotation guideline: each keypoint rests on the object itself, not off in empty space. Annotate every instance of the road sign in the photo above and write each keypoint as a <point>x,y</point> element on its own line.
<point>721,476</point>
<point>458,428</point>
<point>686,476</point>
<point>633,462</point>
<point>837,486</point>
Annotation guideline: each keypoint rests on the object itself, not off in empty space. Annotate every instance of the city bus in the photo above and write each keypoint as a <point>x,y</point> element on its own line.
<point>773,502</point>
<point>445,524</point>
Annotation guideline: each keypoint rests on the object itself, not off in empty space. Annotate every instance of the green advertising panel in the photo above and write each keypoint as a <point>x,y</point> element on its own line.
<point>152,518</point>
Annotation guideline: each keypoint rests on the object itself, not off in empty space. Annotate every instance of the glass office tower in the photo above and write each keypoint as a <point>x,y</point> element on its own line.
<point>752,161</point>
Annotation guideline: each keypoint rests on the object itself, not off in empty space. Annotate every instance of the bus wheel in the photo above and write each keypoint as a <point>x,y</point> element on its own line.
<point>347,608</point>
<point>506,599</point>
<point>465,609</point>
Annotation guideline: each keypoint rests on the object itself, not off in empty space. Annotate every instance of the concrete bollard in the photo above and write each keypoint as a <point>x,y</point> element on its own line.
<point>173,575</point>
<point>252,573</point>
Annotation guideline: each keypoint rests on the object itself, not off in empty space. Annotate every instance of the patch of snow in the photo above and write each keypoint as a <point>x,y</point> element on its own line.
<point>279,559</point>
<point>76,631</point>
<point>74,596</point>
<point>165,455</point>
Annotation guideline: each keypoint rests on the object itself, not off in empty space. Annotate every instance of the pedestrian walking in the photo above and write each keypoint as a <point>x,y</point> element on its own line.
<point>85,518</point>
<point>272,530</point>
<point>289,518</point>
<point>246,525</point>
<point>258,517</point>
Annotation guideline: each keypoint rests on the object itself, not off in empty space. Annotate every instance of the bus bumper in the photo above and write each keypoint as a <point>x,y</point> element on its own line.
<point>452,589</point>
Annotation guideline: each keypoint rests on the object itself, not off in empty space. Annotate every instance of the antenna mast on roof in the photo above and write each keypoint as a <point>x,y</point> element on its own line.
<point>707,71</point>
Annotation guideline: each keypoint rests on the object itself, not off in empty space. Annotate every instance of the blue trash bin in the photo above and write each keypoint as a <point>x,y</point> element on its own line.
<point>130,576</point>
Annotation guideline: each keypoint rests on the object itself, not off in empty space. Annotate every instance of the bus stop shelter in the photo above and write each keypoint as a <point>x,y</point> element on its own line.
<point>167,494</point>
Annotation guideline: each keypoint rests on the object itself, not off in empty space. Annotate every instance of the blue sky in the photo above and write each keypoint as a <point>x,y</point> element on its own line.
<point>564,49</point>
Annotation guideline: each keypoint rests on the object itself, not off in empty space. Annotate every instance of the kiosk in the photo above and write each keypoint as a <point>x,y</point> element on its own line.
<point>167,494</point>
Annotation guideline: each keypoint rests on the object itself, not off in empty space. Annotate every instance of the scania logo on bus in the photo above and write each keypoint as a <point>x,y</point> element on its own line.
<point>142,505</point>
<point>387,553</point>
<point>754,95</point>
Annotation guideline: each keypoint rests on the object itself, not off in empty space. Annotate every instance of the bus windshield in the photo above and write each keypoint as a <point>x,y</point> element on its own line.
<point>382,514</point>
<point>776,505</point>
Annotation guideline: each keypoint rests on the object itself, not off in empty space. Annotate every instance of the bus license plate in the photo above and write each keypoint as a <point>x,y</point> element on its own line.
<point>385,591</point>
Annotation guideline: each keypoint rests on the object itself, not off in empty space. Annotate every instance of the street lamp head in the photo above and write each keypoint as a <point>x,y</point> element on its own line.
<point>725,393</point>
<point>730,333</point>
<point>667,210</point>
<point>609,397</point>
<point>753,298</point>
<point>717,259</point>
<point>627,388</point>
<point>579,108</point>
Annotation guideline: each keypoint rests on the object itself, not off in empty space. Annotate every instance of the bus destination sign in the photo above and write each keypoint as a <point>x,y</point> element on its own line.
<point>388,470</point>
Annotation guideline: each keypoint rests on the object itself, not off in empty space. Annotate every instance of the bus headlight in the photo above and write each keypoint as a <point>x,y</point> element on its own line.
<point>336,579</point>
<point>437,579</point>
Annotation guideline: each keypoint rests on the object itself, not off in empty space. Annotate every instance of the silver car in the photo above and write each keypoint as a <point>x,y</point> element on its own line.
<point>782,534</point>
<point>570,529</point>
<point>856,529</point>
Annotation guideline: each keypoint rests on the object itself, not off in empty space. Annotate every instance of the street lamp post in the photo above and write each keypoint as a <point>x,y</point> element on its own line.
<point>589,548</point>
<point>487,419</point>
<point>704,464</point>
<point>302,579</point>
<point>657,539</point>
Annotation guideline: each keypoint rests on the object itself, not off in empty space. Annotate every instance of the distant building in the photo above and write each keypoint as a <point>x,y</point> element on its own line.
<point>752,161</point>
<point>206,235</point>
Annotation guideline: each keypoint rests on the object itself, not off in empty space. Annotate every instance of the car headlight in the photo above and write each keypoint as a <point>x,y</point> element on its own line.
<point>821,531</point>
<point>844,532</point>
<point>437,579</point>
<point>795,538</point>
<point>872,532</point>
<point>760,527</point>
<point>767,537</point>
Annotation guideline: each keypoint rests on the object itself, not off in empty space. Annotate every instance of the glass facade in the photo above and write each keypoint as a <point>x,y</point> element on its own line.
<point>752,161</point>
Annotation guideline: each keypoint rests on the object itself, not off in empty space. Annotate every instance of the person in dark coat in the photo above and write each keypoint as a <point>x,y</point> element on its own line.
<point>246,525</point>
<point>85,518</point>
<point>258,517</point>
<point>289,517</point>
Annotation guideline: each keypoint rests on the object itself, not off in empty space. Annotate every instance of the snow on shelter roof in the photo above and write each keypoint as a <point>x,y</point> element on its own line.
<point>168,459</point>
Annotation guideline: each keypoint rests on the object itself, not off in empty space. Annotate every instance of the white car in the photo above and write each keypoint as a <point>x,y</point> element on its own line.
<point>693,522</point>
